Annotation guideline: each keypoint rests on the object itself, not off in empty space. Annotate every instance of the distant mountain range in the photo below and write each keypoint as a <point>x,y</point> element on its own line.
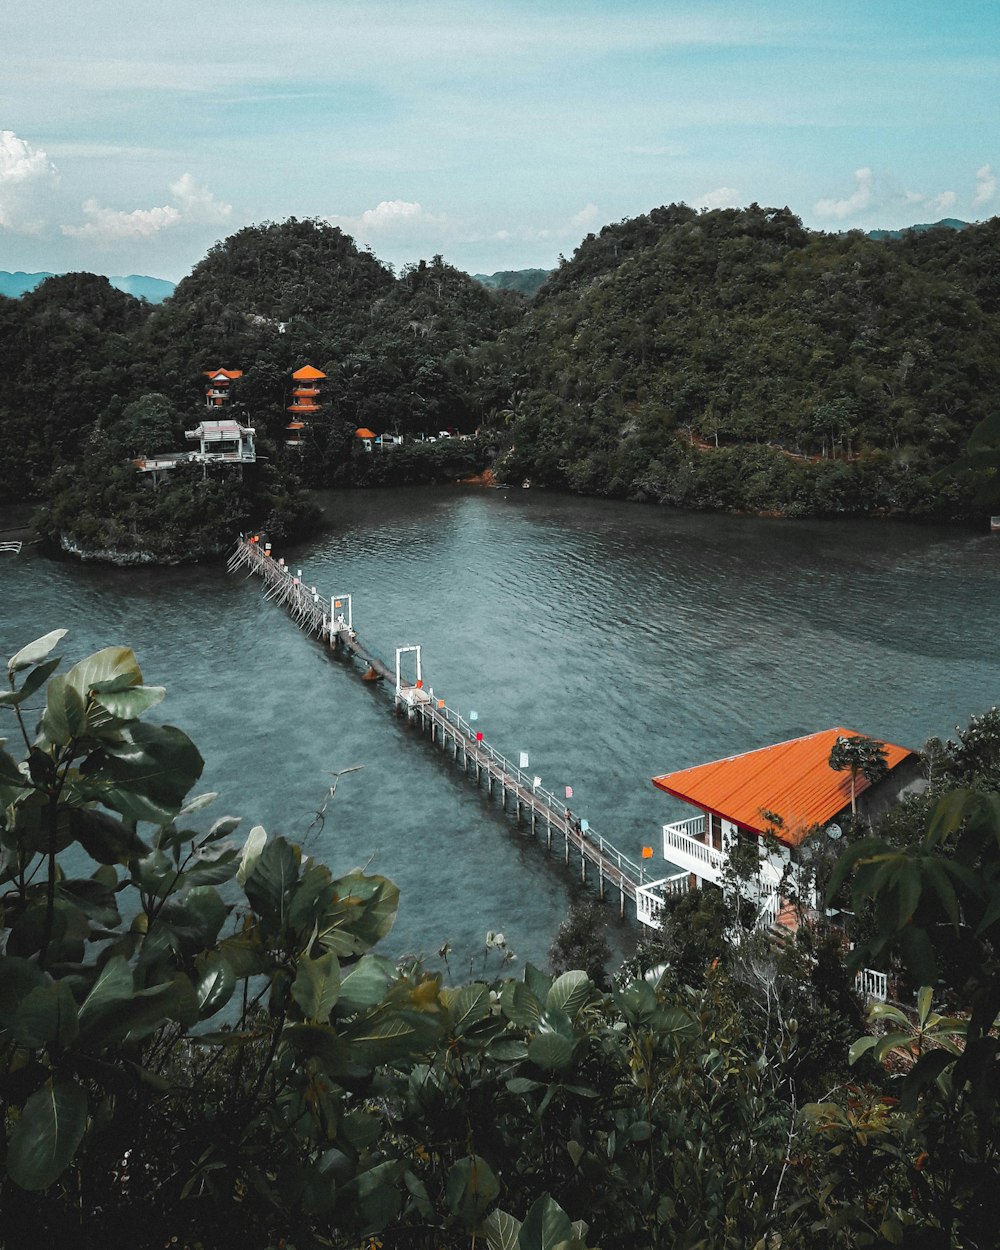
<point>946,223</point>
<point>527,281</point>
<point>153,289</point>
<point>156,290</point>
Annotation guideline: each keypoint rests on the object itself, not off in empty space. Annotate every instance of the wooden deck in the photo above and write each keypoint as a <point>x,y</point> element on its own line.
<point>537,810</point>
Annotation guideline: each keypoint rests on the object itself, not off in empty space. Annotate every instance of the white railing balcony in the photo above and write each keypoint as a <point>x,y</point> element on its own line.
<point>682,846</point>
<point>651,899</point>
<point>872,984</point>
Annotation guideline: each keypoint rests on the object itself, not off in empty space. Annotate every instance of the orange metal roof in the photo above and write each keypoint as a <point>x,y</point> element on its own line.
<point>792,779</point>
<point>364,432</point>
<point>224,373</point>
<point>307,374</point>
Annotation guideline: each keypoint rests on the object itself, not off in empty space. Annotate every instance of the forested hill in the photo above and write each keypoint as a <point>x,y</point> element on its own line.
<point>734,359</point>
<point>723,359</point>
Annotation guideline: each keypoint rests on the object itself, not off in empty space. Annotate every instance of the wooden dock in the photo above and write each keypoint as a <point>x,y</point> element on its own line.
<point>534,808</point>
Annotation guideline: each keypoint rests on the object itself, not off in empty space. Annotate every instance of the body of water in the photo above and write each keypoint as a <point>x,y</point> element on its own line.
<point>610,641</point>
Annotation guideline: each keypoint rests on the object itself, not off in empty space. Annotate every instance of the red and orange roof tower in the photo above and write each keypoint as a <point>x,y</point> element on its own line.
<point>305,402</point>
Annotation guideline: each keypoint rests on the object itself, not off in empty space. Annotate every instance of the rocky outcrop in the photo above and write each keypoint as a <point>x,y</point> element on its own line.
<point>112,555</point>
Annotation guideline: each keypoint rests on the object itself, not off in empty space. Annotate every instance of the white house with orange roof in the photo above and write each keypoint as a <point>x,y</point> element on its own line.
<point>773,799</point>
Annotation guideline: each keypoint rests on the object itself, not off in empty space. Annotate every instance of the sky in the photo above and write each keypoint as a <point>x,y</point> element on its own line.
<point>498,133</point>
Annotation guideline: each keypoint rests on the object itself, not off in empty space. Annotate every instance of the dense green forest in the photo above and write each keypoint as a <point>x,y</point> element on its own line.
<point>732,359</point>
<point>723,359</point>
<point>201,1046</point>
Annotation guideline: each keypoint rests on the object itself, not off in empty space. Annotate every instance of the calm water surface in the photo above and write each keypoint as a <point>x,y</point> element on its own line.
<point>609,641</point>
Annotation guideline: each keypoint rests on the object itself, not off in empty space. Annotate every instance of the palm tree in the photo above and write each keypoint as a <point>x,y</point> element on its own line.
<point>859,754</point>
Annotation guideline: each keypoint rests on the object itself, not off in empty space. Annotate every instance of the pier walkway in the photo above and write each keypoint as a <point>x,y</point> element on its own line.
<point>535,808</point>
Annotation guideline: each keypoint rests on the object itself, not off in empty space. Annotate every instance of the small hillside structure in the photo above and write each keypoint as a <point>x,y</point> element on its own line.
<point>306,403</point>
<point>217,390</point>
<point>774,799</point>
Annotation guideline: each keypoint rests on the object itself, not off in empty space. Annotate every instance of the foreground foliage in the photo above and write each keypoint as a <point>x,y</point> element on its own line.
<point>199,1041</point>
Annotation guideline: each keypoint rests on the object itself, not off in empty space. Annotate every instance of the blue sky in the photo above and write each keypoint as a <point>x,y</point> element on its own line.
<point>496,132</point>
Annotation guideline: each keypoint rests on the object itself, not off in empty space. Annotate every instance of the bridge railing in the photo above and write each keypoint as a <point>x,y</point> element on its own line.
<point>627,867</point>
<point>276,573</point>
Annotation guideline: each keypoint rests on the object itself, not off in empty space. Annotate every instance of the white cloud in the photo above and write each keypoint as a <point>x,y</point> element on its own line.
<point>586,219</point>
<point>721,197</point>
<point>197,204</point>
<point>857,202</point>
<point>392,220</point>
<point>109,225</point>
<point>193,205</point>
<point>941,203</point>
<point>931,205</point>
<point>26,174</point>
<point>986,186</point>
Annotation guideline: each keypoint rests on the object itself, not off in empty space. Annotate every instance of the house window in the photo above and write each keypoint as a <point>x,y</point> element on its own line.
<point>715,832</point>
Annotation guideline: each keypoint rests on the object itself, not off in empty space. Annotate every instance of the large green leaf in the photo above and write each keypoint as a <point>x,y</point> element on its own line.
<point>65,714</point>
<point>153,764</point>
<point>132,703</point>
<point>551,1051</point>
<point>272,881</point>
<point>34,681</point>
<point>365,984</point>
<point>545,1226</point>
<point>18,977</point>
<point>470,1188</point>
<point>316,987</point>
<point>467,1005</point>
<point>35,651</point>
<point>48,1131</point>
<point>47,1016</point>
<point>10,774</point>
<point>501,1230</point>
<point>215,984</point>
<point>104,667</point>
<point>519,1004</point>
<point>570,991</point>
<point>362,911</point>
<point>252,848</point>
<point>318,1041</point>
<point>106,840</point>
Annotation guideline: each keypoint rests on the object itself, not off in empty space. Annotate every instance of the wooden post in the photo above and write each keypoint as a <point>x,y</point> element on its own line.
<point>600,881</point>
<point>548,834</point>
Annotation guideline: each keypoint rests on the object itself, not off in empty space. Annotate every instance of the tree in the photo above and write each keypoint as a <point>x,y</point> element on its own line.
<point>580,942</point>
<point>859,754</point>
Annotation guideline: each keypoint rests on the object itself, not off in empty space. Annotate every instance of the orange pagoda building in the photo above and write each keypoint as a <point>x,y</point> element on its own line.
<point>305,402</point>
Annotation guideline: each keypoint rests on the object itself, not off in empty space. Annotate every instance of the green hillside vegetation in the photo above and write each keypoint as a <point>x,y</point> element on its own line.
<point>727,359</point>
<point>138,284</point>
<point>732,359</point>
<point>525,281</point>
<point>202,1045</point>
<point>96,377</point>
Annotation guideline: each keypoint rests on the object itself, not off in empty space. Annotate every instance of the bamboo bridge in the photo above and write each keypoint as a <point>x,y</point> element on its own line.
<point>331,620</point>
